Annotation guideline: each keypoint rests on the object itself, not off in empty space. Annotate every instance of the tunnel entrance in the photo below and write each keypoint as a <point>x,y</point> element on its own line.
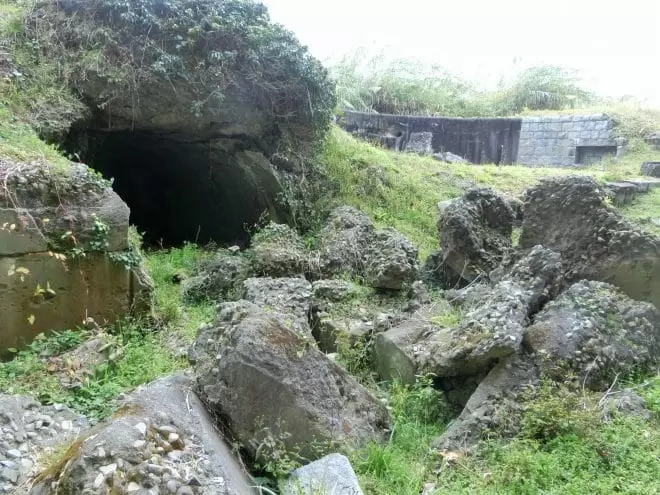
<point>180,190</point>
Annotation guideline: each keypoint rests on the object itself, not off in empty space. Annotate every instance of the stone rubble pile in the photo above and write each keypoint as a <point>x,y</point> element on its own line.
<point>577,290</point>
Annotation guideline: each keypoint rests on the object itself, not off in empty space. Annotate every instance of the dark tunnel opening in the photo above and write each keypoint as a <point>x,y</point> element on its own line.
<point>179,190</point>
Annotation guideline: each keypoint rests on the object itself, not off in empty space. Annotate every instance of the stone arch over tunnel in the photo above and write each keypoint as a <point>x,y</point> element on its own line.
<point>181,189</point>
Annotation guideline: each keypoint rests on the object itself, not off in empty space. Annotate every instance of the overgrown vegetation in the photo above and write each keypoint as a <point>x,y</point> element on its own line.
<point>167,268</point>
<point>204,51</point>
<point>401,466</point>
<point>409,86</point>
<point>564,447</point>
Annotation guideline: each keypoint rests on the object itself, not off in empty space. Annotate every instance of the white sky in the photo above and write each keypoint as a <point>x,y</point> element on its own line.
<point>615,45</point>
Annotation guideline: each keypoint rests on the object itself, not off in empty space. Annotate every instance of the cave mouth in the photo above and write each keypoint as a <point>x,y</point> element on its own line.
<point>180,190</point>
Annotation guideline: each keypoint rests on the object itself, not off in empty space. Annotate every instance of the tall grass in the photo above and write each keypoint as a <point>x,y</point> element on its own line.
<point>409,86</point>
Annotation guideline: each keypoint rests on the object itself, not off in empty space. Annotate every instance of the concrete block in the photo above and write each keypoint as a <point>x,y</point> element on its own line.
<point>621,192</point>
<point>601,125</point>
<point>650,169</point>
<point>94,286</point>
<point>24,238</point>
<point>642,186</point>
<point>332,474</point>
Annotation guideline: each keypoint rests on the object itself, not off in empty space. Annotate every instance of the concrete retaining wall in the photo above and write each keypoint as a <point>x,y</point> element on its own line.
<point>39,291</point>
<point>476,140</point>
<point>566,140</point>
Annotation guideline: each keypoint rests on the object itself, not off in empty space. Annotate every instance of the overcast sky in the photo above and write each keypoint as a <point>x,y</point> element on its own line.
<point>615,45</point>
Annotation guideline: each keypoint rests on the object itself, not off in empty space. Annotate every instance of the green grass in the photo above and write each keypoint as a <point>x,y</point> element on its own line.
<point>19,142</point>
<point>644,211</point>
<point>623,458</point>
<point>585,455</point>
<point>400,466</point>
<point>144,358</point>
<point>415,184</point>
<point>163,266</point>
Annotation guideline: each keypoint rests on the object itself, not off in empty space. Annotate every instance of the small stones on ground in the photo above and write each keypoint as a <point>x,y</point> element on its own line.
<point>142,428</point>
<point>14,454</point>
<point>133,487</point>
<point>9,475</point>
<point>166,430</point>
<point>98,481</point>
<point>156,469</point>
<point>109,469</point>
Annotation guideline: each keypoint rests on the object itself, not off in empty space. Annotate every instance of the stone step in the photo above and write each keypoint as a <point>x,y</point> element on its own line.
<point>643,185</point>
<point>621,192</point>
<point>625,191</point>
<point>651,169</point>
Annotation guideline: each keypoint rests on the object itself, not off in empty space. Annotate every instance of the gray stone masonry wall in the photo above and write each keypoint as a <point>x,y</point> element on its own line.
<point>553,140</point>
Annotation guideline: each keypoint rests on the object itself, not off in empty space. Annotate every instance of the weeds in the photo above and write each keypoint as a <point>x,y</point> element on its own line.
<point>143,359</point>
<point>564,448</point>
<point>166,268</point>
<point>401,465</point>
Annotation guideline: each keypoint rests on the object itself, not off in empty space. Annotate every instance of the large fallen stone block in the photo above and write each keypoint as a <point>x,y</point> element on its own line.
<point>261,371</point>
<point>569,215</point>
<point>397,350</point>
<point>391,261</point>
<point>350,245</point>
<point>289,295</point>
<point>72,291</point>
<point>591,330</point>
<point>278,251</point>
<point>494,328</point>
<point>651,169</point>
<point>63,252</point>
<point>475,232</point>
<point>488,405</point>
<point>344,241</point>
<point>597,331</point>
<point>217,280</point>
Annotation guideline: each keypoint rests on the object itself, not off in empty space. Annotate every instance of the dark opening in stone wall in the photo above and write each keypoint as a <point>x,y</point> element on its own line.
<point>179,189</point>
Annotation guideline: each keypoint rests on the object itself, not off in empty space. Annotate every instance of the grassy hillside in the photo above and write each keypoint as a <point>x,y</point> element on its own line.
<point>407,199</point>
<point>586,456</point>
